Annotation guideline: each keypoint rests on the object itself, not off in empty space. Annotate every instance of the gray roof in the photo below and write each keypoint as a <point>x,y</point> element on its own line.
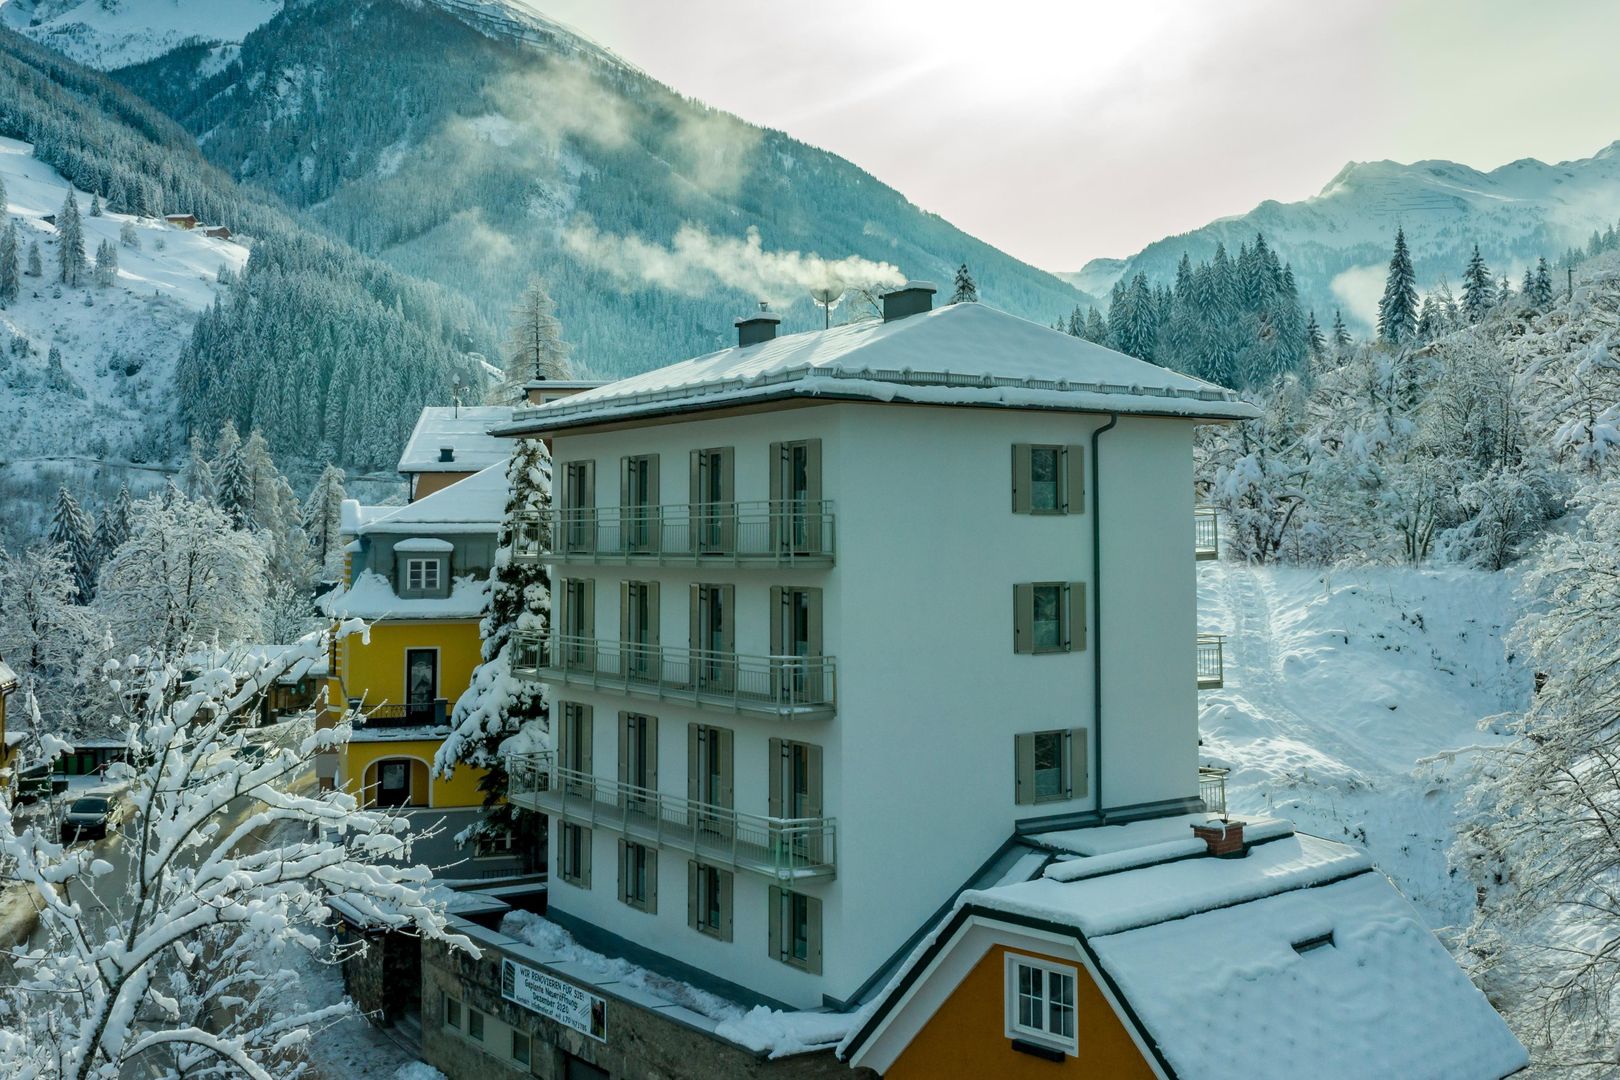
<point>463,428</point>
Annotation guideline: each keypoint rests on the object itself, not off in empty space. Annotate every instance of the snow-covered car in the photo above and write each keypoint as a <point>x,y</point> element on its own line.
<point>91,817</point>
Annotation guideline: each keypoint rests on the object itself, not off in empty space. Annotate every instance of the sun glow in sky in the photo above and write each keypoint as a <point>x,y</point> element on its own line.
<point>1064,131</point>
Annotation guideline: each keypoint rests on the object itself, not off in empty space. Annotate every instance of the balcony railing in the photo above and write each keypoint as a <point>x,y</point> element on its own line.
<point>1206,534</point>
<point>766,532</point>
<point>409,714</point>
<point>783,849</point>
<point>1211,661</point>
<point>801,686</point>
<point>1212,789</point>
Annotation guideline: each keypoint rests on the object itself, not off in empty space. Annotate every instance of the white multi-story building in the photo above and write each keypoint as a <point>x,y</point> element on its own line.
<point>837,614</point>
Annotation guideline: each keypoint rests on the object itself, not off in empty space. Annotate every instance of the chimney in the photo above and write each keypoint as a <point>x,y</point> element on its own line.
<point>758,327</point>
<point>447,453</point>
<point>1225,838</point>
<point>912,298</point>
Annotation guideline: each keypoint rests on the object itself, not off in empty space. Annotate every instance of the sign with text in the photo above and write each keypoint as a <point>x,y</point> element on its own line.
<point>554,999</point>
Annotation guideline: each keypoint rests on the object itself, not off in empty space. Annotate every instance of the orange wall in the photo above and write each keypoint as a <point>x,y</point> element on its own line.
<point>426,483</point>
<point>968,1035</point>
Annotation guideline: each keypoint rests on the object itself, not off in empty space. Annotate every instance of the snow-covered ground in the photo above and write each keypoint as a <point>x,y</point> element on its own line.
<point>113,398</point>
<point>110,34</point>
<point>1352,698</point>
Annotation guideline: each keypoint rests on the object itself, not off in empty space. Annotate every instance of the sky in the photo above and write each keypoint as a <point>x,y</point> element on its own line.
<point>1060,132</point>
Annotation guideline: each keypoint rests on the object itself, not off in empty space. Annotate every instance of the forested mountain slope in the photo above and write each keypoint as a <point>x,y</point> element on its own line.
<point>108,34</point>
<point>471,147</point>
<point>1339,240</point>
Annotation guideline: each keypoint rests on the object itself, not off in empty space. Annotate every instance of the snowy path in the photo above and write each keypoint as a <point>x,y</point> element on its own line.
<point>1338,684</point>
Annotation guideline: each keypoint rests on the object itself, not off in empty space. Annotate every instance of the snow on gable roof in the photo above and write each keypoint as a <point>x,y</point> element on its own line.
<point>465,429</point>
<point>8,678</point>
<point>961,354</point>
<point>476,504</point>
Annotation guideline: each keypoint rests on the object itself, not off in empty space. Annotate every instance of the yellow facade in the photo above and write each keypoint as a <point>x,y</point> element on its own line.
<point>967,1036</point>
<point>373,671</point>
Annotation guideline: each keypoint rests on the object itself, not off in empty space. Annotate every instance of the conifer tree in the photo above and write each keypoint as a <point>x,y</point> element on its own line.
<point>1397,310</point>
<point>10,264</point>
<point>1504,292</point>
<point>1527,288</point>
<point>1315,340</point>
<point>95,204</point>
<point>106,264</point>
<point>1341,336</point>
<point>534,347</point>
<point>235,482</point>
<point>1479,296</point>
<point>5,199</point>
<point>36,265</point>
<point>112,528</point>
<point>128,237</point>
<point>323,518</point>
<point>1096,330</point>
<point>1542,292</point>
<point>1077,323</point>
<point>75,534</point>
<point>198,475</point>
<point>967,291</point>
<point>70,242</point>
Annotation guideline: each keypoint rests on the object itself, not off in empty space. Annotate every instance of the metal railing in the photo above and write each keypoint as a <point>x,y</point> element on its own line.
<point>1206,534</point>
<point>779,848</point>
<point>773,532</point>
<point>408,714</point>
<point>1211,661</point>
<point>772,685</point>
<point>1212,789</point>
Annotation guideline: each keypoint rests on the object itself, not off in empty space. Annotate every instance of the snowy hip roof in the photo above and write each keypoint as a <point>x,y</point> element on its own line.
<point>474,505</point>
<point>961,354</point>
<point>464,430</point>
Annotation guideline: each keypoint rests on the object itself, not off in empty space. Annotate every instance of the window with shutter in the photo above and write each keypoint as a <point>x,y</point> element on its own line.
<point>578,507</point>
<point>1049,617</point>
<point>574,856</point>
<point>1049,766</point>
<point>1048,479</point>
<point>796,930</point>
<point>709,900</point>
<point>638,876</point>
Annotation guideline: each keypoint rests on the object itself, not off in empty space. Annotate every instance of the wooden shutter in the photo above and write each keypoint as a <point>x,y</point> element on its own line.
<point>652,614</point>
<point>624,871</point>
<point>697,466</point>
<point>650,726</point>
<point>812,781</point>
<point>624,622</point>
<point>777,753</point>
<point>624,488</point>
<point>561,624</point>
<point>723,881</point>
<point>728,617</point>
<point>778,473</point>
<point>1023,618</point>
<point>813,603</point>
<point>1075,617</point>
<point>778,619</point>
<point>587,600</point>
<point>584,868</point>
<point>586,741</point>
<point>1021,478</point>
<point>1024,769</point>
<point>776,935</point>
<point>650,905</point>
<point>624,748</point>
<point>726,795</point>
<point>696,736</point>
<point>692,901</point>
<point>1079,762</point>
<point>812,470</point>
<point>1074,479</point>
<point>694,634</point>
<point>812,934</point>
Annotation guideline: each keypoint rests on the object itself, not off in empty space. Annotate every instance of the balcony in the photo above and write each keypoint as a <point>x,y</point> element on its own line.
<point>779,686</point>
<point>762,533</point>
<point>782,849</point>
<point>1212,789</point>
<point>1206,534</point>
<point>411,714</point>
<point>1211,662</point>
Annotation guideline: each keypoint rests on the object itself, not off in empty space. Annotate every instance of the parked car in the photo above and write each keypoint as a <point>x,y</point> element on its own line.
<point>91,817</point>
<point>252,753</point>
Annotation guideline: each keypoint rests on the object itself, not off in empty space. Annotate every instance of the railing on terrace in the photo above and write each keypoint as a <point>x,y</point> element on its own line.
<point>1211,661</point>
<point>771,685</point>
<point>779,848</point>
<point>410,714</point>
<point>773,532</point>
<point>1212,789</point>
<point>1206,534</point>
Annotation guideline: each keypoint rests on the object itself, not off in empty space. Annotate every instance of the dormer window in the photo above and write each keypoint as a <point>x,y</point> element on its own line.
<point>423,567</point>
<point>423,575</point>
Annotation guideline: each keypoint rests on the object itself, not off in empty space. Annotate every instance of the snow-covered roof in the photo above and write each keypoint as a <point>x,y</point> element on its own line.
<point>1303,954</point>
<point>960,354</point>
<point>8,678</point>
<point>564,384</point>
<point>424,543</point>
<point>372,597</point>
<point>463,428</point>
<point>474,505</point>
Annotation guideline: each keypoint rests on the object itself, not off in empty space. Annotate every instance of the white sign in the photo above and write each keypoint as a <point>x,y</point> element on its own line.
<point>554,999</point>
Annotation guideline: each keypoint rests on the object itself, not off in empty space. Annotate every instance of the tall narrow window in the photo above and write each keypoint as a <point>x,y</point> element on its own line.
<point>578,507</point>
<point>709,900</point>
<point>639,515</point>
<point>713,664</point>
<point>638,875</point>
<point>795,929</point>
<point>578,647</point>
<point>638,629</point>
<point>1041,1002</point>
<point>574,746</point>
<point>638,763</point>
<point>713,513</point>
<point>574,856</point>
<point>796,510</point>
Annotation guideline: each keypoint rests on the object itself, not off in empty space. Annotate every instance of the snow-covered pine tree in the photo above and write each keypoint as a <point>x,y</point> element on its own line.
<point>1096,330</point>
<point>1076,326</point>
<point>70,242</point>
<point>534,346</point>
<point>1429,319</point>
<point>1527,288</point>
<point>1541,293</point>
<point>197,476</point>
<point>323,520</point>
<point>112,527</point>
<point>10,264</point>
<point>42,628</point>
<point>5,199</point>
<point>36,265</point>
<point>1398,308</point>
<point>233,480</point>
<point>128,237</point>
<point>106,271</point>
<point>95,204</point>
<point>499,714</point>
<point>1504,293</point>
<point>967,290</point>
<point>1133,328</point>
<point>1315,340</point>
<point>73,531</point>
<point>1479,295</point>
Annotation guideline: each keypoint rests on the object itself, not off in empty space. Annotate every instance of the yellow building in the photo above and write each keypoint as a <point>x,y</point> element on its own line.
<point>419,576</point>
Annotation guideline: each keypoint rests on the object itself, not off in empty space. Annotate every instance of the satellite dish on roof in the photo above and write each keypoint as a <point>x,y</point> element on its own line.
<point>827,296</point>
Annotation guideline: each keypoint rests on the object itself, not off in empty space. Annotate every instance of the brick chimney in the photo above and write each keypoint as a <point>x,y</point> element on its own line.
<point>1225,838</point>
<point>756,328</point>
<point>912,298</point>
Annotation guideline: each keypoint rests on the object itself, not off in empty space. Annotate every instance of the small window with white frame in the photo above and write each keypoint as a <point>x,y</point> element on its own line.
<point>423,575</point>
<point>493,845</point>
<point>1041,1003</point>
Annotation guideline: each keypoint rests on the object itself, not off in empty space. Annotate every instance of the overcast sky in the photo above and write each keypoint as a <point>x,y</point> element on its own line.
<point>1063,131</point>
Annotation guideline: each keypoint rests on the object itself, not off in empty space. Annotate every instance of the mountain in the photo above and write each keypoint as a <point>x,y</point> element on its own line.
<point>474,144</point>
<point>109,34</point>
<point>1339,241</point>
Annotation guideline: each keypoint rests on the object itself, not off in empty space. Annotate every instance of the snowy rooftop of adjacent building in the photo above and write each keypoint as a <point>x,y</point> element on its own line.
<point>372,597</point>
<point>8,678</point>
<point>474,505</point>
<point>463,428</point>
<point>1304,955</point>
<point>961,354</point>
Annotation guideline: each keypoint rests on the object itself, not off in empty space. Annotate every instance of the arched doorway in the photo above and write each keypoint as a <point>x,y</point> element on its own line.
<point>391,782</point>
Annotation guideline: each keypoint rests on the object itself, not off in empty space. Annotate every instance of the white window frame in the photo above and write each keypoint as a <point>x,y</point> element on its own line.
<point>423,574</point>
<point>493,847</point>
<point>1043,1036</point>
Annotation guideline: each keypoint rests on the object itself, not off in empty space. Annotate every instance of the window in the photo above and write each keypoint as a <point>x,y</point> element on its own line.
<point>579,506</point>
<point>422,575</point>
<point>796,929</point>
<point>638,628</point>
<point>574,739</point>
<point>796,510</point>
<point>708,900</point>
<point>452,1012</point>
<point>578,622</point>
<point>493,847</point>
<point>1040,1002</point>
<point>711,635</point>
<point>1049,617</point>
<point>638,876</point>
<point>475,1025</point>
<point>520,1047</point>
<point>713,512</point>
<point>574,858</point>
<point>638,503</point>
<point>1048,479</point>
<point>1050,765</point>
